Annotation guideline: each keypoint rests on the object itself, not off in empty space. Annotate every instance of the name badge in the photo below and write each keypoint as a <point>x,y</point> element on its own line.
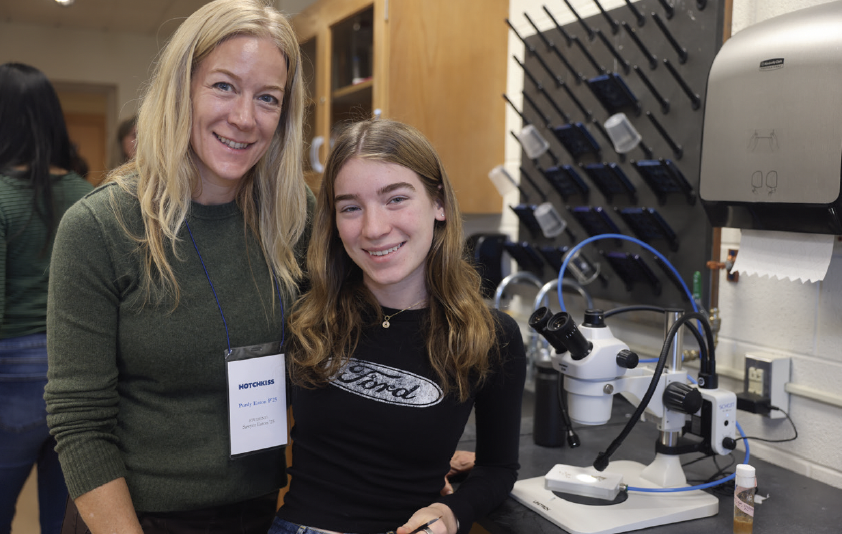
<point>257,411</point>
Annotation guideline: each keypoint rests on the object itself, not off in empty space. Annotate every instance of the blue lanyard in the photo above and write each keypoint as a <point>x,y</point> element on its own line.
<point>224,322</point>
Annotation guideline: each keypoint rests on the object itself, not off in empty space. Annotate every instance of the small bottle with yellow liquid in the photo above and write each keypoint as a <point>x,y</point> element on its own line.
<point>744,487</point>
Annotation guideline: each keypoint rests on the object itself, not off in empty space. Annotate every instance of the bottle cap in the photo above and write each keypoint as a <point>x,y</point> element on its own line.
<point>745,476</point>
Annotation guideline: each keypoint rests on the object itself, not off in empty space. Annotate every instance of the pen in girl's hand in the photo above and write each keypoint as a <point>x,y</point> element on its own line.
<point>424,526</point>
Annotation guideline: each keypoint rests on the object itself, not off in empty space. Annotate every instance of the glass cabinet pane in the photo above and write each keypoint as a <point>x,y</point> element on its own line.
<point>353,50</point>
<point>308,70</point>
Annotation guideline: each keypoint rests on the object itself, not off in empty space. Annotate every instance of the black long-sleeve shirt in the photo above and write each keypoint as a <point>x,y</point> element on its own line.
<point>375,445</point>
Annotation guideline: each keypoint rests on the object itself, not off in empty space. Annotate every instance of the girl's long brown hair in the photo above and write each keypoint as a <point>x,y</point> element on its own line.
<point>328,320</point>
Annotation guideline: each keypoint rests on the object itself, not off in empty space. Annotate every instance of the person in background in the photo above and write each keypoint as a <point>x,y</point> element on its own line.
<point>36,188</point>
<point>391,348</point>
<point>127,138</point>
<point>171,276</point>
<point>78,164</point>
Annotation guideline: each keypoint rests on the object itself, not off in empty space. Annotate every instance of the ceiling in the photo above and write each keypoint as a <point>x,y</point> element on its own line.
<point>150,17</point>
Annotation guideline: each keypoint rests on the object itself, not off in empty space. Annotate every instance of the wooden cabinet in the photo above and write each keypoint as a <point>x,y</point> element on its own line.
<point>439,65</point>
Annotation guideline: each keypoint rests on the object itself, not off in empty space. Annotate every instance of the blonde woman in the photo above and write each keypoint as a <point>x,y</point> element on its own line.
<point>175,275</point>
<point>390,350</point>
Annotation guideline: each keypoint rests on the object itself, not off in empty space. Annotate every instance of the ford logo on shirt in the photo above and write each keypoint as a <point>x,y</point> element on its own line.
<point>387,384</point>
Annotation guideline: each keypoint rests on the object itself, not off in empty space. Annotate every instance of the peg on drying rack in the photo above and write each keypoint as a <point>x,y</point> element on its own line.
<point>676,148</point>
<point>528,99</point>
<point>564,116</point>
<point>581,21</point>
<point>668,9</point>
<point>542,90</point>
<point>645,149</point>
<point>533,183</point>
<point>531,50</point>
<point>694,98</point>
<point>653,61</point>
<point>559,27</point>
<point>529,47</point>
<point>559,82</point>
<point>527,72</point>
<point>665,104</point>
<point>514,107</point>
<point>641,19</point>
<point>611,22</point>
<point>551,45</point>
<point>534,53</point>
<point>600,69</point>
<point>680,50</point>
<point>614,52</point>
<point>588,114</point>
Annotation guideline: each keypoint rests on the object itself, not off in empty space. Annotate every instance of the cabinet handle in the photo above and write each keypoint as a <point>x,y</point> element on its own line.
<point>315,145</point>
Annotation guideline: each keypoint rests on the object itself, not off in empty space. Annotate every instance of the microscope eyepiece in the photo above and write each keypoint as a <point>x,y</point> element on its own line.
<point>562,327</point>
<point>539,320</point>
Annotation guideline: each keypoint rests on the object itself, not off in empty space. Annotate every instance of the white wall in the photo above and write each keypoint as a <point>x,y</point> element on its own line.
<point>117,63</point>
<point>120,60</point>
<point>802,321</point>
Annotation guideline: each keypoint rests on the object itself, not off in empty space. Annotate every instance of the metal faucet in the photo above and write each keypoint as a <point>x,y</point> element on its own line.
<point>536,346</point>
<point>532,340</point>
<point>552,285</point>
<point>520,276</point>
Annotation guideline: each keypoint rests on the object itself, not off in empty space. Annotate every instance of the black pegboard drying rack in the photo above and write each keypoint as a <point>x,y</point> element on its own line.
<point>662,51</point>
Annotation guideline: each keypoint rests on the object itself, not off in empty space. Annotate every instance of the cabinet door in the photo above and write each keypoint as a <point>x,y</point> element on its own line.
<point>447,75</point>
<point>314,153</point>
<point>352,68</point>
<point>439,65</point>
<point>337,42</point>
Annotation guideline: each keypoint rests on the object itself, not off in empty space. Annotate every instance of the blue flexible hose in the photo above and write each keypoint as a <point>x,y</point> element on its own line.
<point>576,249</point>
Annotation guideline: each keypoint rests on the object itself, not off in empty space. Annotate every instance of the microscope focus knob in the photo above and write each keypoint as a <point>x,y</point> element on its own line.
<point>682,398</point>
<point>627,359</point>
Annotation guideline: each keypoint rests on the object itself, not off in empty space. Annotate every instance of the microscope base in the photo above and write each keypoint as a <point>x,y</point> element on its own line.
<point>640,510</point>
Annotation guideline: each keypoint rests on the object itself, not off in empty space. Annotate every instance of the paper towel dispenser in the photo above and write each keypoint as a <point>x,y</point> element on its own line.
<point>772,132</point>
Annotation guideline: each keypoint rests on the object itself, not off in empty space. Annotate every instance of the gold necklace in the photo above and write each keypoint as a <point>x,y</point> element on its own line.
<point>386,318</point>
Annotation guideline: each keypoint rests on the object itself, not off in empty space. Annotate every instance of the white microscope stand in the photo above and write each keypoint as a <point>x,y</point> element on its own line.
<point>590,381</point>
<point>640,510</point>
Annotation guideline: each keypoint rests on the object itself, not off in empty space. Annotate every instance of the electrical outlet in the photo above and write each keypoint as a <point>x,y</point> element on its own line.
<point>766,375</point>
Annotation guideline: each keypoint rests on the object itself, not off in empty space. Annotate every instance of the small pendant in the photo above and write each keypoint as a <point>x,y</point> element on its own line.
<point>386,324</point>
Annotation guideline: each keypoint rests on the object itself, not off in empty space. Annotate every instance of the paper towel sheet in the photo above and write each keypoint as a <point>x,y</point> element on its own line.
<point>783,255</point>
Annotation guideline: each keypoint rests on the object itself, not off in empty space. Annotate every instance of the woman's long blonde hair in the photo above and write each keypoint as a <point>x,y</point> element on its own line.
<point>163,175</point>
<point>328,320</point>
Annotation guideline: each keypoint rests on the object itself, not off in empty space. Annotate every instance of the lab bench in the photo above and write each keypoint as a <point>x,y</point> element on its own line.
<point>795,504</point>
